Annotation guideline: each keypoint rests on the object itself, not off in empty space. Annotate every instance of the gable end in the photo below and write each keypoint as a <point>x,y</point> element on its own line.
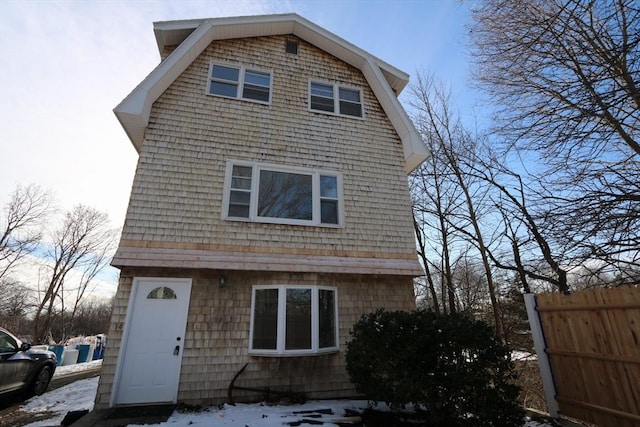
<point>193,36</point>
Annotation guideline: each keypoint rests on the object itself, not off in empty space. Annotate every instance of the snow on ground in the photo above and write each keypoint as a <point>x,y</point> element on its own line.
<point>76,396</point>
<point>80,395</point>
<point>523,356</point>
<point>77,367</point>
<point>260,415</point>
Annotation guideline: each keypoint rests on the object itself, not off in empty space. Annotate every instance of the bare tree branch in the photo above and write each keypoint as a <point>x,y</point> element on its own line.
<point>566,73</point>
<point>81,244</point>
<point>448,140</point>
<point>564,76</point>
<point>22,225</point>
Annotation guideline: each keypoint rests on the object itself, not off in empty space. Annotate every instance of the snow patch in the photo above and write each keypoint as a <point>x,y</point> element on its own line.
<point>77,367</point>
<point>523,356</point>
<point>80,395</point>
<point>76,396</point>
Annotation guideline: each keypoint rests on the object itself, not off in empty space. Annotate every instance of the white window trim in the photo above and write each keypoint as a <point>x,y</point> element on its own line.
<point>253,204</point>
<point>241,75</point>
<point>336,99</point>
<point>281,328</point>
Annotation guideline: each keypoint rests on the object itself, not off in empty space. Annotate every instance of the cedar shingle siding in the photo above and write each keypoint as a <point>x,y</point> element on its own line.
<point>176,203</point>
<point>179,183</point>
<point>217,336</point>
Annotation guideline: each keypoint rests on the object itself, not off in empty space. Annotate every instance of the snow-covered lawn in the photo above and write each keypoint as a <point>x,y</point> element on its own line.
<point>260,415</point>
<point>79,395</point>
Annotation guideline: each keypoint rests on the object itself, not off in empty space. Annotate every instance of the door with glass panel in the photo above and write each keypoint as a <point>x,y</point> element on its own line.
<point>151,355</point>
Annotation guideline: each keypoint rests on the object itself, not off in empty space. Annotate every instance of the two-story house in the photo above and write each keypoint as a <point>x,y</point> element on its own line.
<point>269,211</point>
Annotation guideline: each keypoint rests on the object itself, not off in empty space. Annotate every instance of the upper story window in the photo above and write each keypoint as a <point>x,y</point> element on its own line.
<point>239,82</point>
<point>288,320</point>
<point>336,99</point>
<point>284,195</point>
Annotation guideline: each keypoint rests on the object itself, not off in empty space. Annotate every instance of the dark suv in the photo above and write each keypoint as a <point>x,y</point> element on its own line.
<point>23,369</point>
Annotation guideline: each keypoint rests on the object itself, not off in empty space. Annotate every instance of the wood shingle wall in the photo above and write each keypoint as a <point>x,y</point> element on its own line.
<point>217,335</point>
<point>175,209</point>
<point>176,198</point>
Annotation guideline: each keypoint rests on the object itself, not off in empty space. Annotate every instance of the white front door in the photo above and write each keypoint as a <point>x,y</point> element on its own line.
<point>151,355</point>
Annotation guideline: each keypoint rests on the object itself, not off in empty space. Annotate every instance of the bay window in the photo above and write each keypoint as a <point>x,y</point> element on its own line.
<point>289,320</point>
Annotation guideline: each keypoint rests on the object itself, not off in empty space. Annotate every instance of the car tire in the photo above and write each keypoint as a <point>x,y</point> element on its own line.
<point>41,381</point>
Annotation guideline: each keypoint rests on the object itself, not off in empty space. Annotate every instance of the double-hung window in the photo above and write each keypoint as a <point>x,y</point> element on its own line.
<point>289,319</point>
<point>285,195</point>
<point>234,81</point>
<point>335,99</point>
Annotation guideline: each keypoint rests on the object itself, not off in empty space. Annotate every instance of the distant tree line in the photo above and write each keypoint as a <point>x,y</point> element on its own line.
<point>92,317</point>
<point>547,197</point>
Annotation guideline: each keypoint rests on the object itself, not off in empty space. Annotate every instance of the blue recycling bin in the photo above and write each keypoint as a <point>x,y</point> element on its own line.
<point>98,352</point>
<point>83,352</point>
<point>58,350</point>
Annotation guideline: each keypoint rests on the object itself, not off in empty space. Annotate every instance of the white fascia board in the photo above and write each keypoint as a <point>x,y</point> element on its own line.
<point>265,25</point>
<point>225,28</point>
<point>133,112</point>
<point>414,158</point>
<point>130,124</point>
<point>397,79</point>
<point>415,151</point>
<point>181,24</point>
<point>330,43</point>
<point>347,52</point>
<point>174,32</point>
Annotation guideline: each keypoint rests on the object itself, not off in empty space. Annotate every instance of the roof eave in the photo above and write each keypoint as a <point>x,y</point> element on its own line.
<point>414,150</point>
<point>385,80</point>
<point>133,112</point>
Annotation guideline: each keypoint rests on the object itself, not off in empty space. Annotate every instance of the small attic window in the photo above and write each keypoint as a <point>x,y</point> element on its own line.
<point>332,98</point>
<point>235,81</point>
<point>291,47</point>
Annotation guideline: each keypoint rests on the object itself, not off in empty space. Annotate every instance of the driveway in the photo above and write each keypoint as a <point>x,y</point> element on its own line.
<point>11,416</point>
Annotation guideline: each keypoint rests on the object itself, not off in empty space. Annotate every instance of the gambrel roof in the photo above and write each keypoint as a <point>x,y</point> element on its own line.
<point>193,36</point>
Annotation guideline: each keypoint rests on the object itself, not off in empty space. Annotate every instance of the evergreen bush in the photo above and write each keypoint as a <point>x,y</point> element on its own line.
<point>453,368</point>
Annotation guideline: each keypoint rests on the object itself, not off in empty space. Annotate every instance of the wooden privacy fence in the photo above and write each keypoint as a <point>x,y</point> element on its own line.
<point>588,346</point>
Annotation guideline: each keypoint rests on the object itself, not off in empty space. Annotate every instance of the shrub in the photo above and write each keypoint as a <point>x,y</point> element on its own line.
<point>453,367</point>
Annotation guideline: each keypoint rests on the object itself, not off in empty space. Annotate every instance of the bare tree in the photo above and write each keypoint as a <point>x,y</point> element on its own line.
<point>511,201</point>
<point>22,225</point>
<point>564,76</point>
<point>80,248</point>
<point>434,200</point>
<point>597,220</point>
<point>565,71</point>
<point>471,284</point>
<point>440,128</point>
<point>92,316</point>
<point>15,302</point>
<point>422,253</point>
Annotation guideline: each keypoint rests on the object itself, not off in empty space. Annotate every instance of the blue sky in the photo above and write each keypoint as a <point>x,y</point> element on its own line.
<point>64,66</point>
